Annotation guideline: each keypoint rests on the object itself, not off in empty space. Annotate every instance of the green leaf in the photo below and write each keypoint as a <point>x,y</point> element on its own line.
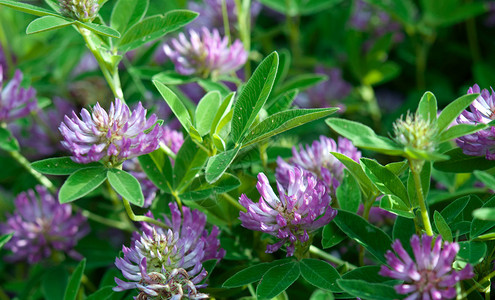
<point>382,73</point>
<point>479,226</point>
<point>47,23</point>
<point>460,130</point>
<point>60,166</point>
<point>370,237</point>
<point>251,274</point>
<point>462,163</point>
<point>53,283</point>
<point>253,96</point>
<point>222,111</point>
<point>386,181</point>
<point>75,281</point>
<point>427,107</point>
<point>158,169</point>
<point>201,190</point>
<point>126,13</point>
<point>188,163</point>
<point>471,252</point>
<point>348,193</point>
<point>100,29</point>
<point>80,183</point>
<point>28,8</point>
<point>175,104</point>
<point>284,121</point>
<point>320,274</point>
<point>321,295</point>
<point>453,110</point>
<point>154,27</point>
<point>487,179</point>
<point>218,164</point>
<point>7,141</point>
<point>368,273</point>
<point>396,206</point>
<point>281,103</point>
<point>101,294</point>
<point>357,171</point>
<point>126,185</point>
<point>486,214</point>
<point>5,238</point>
<point>277,280</point>
<point>300,82</point>
<point>212,86</point>
<point>364,137</point>
<point>205,112</point>
<point>454,209</point>
<point>442,227</point>
<point>332,235</point>
<point>366,290</point>
<point>403,230</point>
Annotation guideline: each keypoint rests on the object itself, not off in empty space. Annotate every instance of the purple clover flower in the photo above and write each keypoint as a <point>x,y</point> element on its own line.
<point>40,225</point>
<point>15,101</point>
<point>430,276</point>
<point>112,137</point>
<point>172,139</point>
<point>167,264</point>
<point>293,215</point>
<point>205,53</point>
<point>317,160</point>
<point>482,112</point>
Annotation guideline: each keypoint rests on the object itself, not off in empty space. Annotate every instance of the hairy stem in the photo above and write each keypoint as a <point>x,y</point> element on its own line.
<point>416,167</point>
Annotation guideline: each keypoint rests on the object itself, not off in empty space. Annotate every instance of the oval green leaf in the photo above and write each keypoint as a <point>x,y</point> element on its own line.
<point>320,274</point>
<point>127,186</point>
<point>80,183</point>
<point>47,23</point>
<point>277,280</point>
<point>60,166</point>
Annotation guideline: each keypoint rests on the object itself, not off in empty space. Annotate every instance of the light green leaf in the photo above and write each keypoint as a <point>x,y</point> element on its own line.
<point>47,23</point>
<point>453,110</point>
<point>487,179</point>
<point>277,280</point>
<point>28,8</point>
<point>386,181</point>
<point>462,163</point>
<point>218,164</point>
<point>100,29</point>
<point>127,186</point>
<point>486,214</point>
<point>5,238</point>
<point>357,171</point>
<point>126,13</point>
<point>427,107</point>
<point>253,96</point>
<point>222,111</point>
<point>60,166</point>
<point>396,206</point>
<point>154,27</point>
<point>442,227</point>
<point>7,140</point>
<point>175,104</point>
<point>75,281</point>
<point>205,112</point>
<point>81,183</point>
<point>284,121</point>
<point>188,163</point>
<point>460,130</point>
<point>320,274</point>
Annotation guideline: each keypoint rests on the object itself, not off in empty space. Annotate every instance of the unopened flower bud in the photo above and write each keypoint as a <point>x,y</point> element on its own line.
<point>82,10</point>
<point>416,133</point>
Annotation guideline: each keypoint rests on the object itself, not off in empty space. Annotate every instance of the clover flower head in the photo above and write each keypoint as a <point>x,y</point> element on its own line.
<point>82,10</point>
<point>205,53</point>
<point>430,274</point>
<point>293,215</point>
<point>167,264</point>
<point>481,143</point>
<point>15,101</point>
<point>41,225</point>
<point>415,132</point>
<point>318,160</point>
<point>112,137</point>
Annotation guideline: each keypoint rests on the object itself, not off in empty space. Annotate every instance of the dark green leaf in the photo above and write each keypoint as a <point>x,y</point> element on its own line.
<point>370,237</point>
<point>75,281</point>
<point>442,227</point>
<point>403,230</point>
<point>460,130</point>
<point>253,96</point>
<point>357,171</point>
<point>100,29</point>
<point>370,291</point>
<point>81,182</point>
<point>127,186</point>
<point>28,8</point>
<point>47,23</point>
<point>214,86</point>
<point>284,121</point>
<point>454,209</point>
<point>281,103</point>
<point>5,238</point>
<point>205,112</point>
<point>386,181</point>
<point>175,104</point>
<point>453,110</point>
<point>471,252</point>
<point>218,164</point>
<point>172,78</point>
<point>480,226</point>
<point>331,235</point>
<point>462,163</point>
<point>60,166</point>
<point>382,73</point>
<point>320,274</point>
<point>226,183</point>
<point>126,13</point>
<point>321,295</point>
<point>53,283</point>
<point>427,107</point>
<point>251,274</point>
<point>348,193</point>
<point>101,294</point>
<point>300,82</point>
<point>154,27</point>
<point>277,280</point>
<point>188,163</point>
<point>396,206</point>
<point>158,169</point>
<point>487,179</point>
<point>7,141</point>
<point>368,273</point>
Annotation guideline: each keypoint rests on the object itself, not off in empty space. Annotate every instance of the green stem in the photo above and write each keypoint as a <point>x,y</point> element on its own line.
<point>485,237</point>
<point>168,151</point>
<point>252,291</point>
<point>416,167</point>
<point>136,218</point>
<point>226,25</point>
<point>478,284</point>
<point>326,256</point>
<point>111,73</point>
<point>368,94</point>
<point>244,25</point>
<point>108,222</point>
<point>27,165</point>
<point>294,36</point>
<point>473,39</point>
<point>234,202</point>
